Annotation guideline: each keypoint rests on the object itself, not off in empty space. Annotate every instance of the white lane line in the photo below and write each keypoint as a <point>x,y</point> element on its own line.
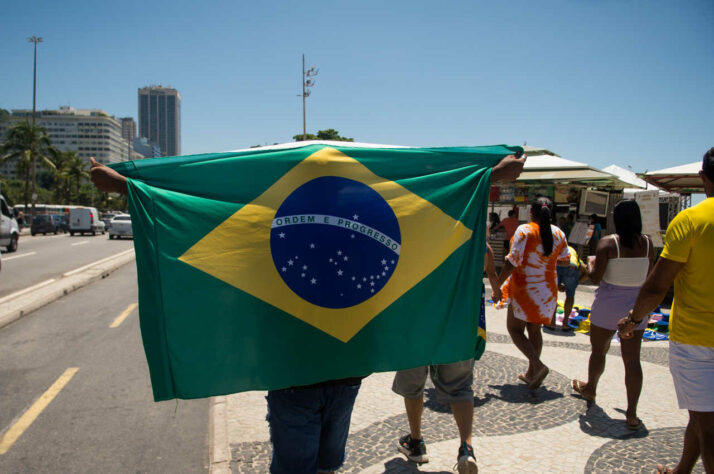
<point>77,270</point>
<point>19,256</point>
<point>12,296</point>
<point>80,243</point>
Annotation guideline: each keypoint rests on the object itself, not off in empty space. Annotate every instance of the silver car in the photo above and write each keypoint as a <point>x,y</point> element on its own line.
<point>120,226</point>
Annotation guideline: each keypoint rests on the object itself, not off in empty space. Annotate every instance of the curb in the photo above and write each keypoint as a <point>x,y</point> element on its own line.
<point>26,303</point>
<point>219,448</point>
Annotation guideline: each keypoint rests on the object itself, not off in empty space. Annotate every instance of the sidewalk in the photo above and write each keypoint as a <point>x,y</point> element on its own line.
<point>515,430</point>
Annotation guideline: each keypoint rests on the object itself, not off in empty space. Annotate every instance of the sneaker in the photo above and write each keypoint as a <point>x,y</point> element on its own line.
<point>414,449</point>
<point>466,461</point>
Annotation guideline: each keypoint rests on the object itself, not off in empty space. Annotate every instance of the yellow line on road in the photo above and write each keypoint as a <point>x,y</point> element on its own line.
<point>34,411</point>
<point>120,319</point>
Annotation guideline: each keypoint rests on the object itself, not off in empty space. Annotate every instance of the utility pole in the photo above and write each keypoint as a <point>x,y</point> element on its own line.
<point>307,82</point>
<point>35,40</point>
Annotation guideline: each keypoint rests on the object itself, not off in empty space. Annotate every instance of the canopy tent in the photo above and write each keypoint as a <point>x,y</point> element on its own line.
<point>682,179</point>
<point>547,168</point>
<point>636,182</point>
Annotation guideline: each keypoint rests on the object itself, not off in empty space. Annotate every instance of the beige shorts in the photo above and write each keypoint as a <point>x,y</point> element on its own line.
<point>692,369</point>
<point>452,381</point>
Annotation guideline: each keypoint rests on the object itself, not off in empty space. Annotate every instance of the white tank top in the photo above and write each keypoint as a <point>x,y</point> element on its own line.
<point>627,271</point>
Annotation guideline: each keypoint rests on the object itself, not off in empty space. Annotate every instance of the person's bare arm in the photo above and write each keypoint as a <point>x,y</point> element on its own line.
<point>597,268</point>
<point>651,294</point>
<point>508,169</point>
<point>106,179</point>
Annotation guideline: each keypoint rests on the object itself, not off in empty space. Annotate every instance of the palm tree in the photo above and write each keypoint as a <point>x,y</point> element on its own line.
<point>27,143</point>
<point>61,160</point>
<point>76,169</point>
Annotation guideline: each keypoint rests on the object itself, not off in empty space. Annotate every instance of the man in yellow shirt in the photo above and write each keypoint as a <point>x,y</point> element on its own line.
<point>687,261</point>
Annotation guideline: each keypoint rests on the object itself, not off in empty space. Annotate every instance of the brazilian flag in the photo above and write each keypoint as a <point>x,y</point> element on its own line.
<point>273,268</point>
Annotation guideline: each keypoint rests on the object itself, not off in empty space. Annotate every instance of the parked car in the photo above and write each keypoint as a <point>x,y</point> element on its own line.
<point>9,230</point>
<point>121,227</point>
<point>64,222</point>
<point>107,219</point>
<point>47,224</point>
<point>85,219</point>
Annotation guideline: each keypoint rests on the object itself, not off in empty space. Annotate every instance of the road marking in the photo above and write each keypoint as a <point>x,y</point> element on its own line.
<point>120,319</point>
<point>12,296</point>
<point>34,411</point>
<point>77,270</point>
<point>80,243</point>
<point>19,256</point>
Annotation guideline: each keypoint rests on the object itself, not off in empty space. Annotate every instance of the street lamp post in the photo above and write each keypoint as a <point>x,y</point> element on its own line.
<point>307,82</point>
<point>35,40</point>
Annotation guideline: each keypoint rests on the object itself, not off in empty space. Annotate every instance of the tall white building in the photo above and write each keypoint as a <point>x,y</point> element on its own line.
<point>89,132</point>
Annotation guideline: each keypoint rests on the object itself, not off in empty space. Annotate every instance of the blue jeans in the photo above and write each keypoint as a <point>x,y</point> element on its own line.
<point>569,277</point>
<point>309,426</point>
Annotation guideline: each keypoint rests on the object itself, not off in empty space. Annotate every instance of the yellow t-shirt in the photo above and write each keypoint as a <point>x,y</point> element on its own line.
<point>690,240</point>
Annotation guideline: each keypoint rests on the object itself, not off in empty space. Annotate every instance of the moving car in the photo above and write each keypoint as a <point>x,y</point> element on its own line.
<point>85,219</point>
<point>47,223</point>
<point>120,227</point>
<point>9,230</point>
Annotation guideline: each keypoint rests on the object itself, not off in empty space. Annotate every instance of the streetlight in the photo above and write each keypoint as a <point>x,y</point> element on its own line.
<point>307,82</point>
<point>35,40</point>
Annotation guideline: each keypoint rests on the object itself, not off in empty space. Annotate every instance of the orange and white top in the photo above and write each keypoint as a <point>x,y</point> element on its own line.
<point>532,288</point>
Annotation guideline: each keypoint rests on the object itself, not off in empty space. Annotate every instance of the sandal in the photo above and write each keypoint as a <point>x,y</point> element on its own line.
<point>634,427</point>
<point>538,378</point>
<point>577,386</point>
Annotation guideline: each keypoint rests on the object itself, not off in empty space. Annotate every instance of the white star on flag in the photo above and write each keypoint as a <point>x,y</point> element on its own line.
<point>282,235</point>
<point>355,217</point>
<point>313,281</point>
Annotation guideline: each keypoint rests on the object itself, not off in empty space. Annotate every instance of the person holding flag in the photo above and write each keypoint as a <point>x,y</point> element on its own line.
<point>309,423</point>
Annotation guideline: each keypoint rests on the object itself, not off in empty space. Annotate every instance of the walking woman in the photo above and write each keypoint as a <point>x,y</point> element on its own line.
<point>620,266</point>
<point>530,284</point>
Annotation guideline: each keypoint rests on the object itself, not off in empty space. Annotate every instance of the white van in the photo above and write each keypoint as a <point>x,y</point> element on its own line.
<point>9,230</point>
<point>85,219</point>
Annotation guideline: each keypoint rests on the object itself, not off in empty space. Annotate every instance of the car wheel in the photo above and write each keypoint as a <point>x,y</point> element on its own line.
<point>33,233</point>
<point>13,243</point>
<point>94,232</point>
<point>56,231</point>
<point>71,233</point>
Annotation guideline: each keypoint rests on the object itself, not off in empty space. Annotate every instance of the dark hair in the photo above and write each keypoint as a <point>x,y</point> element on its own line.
<point>593,217</point>
<point>708,164</point>
<point>542,209</point>
<point>628,221</point>
<point>511,213</point>
<point>494,217</point>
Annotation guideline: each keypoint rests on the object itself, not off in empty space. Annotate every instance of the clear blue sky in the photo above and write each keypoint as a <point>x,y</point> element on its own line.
<point>610,81</point>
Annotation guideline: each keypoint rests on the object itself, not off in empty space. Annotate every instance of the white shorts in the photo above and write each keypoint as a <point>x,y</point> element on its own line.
<point>692,369</point>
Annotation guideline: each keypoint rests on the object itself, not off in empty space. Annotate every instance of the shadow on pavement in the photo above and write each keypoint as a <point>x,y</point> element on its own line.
<point>401,465</point>
<point>595,422</point>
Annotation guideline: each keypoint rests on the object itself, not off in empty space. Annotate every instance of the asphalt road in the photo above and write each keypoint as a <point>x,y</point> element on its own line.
<point>104,418</point>
<point>40,258</point>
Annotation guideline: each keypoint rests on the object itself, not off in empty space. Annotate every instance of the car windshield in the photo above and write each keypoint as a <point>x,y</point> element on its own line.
<point>41,218</point>
<point>122,218</point>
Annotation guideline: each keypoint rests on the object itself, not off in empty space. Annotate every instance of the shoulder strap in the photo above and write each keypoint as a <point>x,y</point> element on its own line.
<point>617,245</point>
<point>647,242</point>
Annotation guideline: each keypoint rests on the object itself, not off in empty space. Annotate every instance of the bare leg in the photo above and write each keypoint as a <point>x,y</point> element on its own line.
<point>567,308</point>
<point>630,349</point>
<point>704,429</point>
<point>415,407</point>
<point>516,329</point>
<point>535,337</point>
<point>464,416</point>
<point>600,343</point>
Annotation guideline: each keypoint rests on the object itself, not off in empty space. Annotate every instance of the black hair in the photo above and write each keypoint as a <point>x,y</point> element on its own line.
<point>708,164</point>
<point>542,209</point>
<point>511,213</point>
<point>593,217</point>
<point>628,221</point>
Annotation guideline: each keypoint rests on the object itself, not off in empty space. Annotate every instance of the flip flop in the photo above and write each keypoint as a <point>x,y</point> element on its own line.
<point>634,427</point>
<point>577,386</point>
<point>538,378</point>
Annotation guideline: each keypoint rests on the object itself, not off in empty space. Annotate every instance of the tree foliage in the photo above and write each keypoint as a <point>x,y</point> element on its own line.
<point>329,134</point>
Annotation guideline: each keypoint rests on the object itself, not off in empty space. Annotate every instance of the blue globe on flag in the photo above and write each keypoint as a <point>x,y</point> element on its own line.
<point>335,242</point>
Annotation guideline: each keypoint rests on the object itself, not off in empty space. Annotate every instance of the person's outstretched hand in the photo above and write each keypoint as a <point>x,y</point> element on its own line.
<point>508,169</point>
<point>106,179</point>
